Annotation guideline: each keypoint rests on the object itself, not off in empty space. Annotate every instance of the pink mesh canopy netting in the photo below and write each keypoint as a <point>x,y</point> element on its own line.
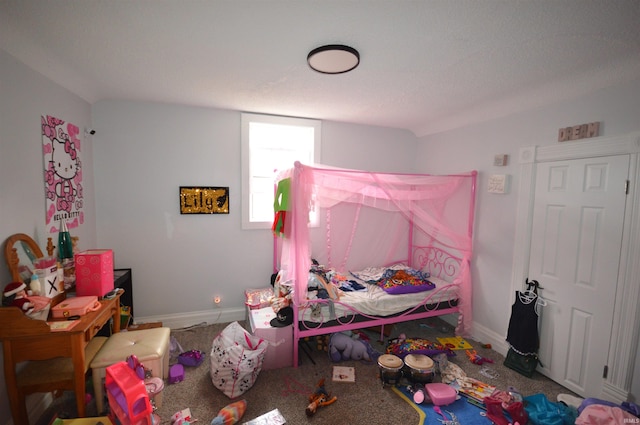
<point>349,220</point>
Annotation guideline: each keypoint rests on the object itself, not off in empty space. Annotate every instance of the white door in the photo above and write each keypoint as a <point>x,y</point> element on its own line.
<point>575,250</point>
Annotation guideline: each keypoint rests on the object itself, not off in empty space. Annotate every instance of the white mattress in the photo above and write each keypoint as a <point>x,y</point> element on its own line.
<point>376,302</point>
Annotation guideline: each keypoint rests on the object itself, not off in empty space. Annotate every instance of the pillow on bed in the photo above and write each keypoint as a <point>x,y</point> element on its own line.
<point>404,281</point>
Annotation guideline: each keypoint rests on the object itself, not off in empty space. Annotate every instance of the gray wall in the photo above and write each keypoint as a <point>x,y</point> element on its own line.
<point>25,95</point>
<point>616,108</point>
<point>143,152</point>
<point>140,155</point>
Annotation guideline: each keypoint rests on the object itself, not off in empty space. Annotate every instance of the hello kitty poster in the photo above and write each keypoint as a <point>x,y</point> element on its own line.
<point>62,173</point>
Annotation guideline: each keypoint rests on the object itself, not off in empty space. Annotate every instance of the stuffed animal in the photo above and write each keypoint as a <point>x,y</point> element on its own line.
<point>319,398</point>
<point>344,347</point>
<point>230,414</point>
<point>15,294</point>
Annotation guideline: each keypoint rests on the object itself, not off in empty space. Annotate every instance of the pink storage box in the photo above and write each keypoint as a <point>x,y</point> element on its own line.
<point>75,306</point>
<point>441,394</point>
<point>94,272</point>
<point>280,349</point>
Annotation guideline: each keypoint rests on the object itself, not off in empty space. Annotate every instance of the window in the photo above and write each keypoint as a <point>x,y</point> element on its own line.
<point>271,144</point>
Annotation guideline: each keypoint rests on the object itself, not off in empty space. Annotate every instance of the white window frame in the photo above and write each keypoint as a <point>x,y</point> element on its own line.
<point>305,157</point>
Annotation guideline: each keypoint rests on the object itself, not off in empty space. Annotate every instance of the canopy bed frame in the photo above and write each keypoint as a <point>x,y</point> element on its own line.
<point>349,221</point>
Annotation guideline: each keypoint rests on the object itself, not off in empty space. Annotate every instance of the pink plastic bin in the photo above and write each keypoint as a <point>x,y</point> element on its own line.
<point>441,394</point>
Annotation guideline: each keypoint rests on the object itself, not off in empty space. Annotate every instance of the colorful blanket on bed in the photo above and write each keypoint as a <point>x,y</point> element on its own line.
<point>405,281</point>
<point>397,280</point>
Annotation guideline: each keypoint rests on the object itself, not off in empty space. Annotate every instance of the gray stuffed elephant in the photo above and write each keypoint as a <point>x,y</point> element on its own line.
<point>344,347</point>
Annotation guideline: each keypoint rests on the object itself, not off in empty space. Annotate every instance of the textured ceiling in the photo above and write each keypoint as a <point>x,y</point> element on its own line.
<point>426,66</point>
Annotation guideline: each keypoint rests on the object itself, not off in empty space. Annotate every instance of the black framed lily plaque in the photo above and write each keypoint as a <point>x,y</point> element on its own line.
<point>204,200</point>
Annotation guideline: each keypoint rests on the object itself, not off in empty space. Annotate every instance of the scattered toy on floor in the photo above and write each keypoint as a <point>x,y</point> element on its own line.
<point>433,325</point>
<point>446,421</point>
<point>322,342</point>
<point>509,401</point>
<point>361,335</point>
<point>488,372</point>
<point>191,358</point>
<point>418,393</point>
<point>183,417</point>
<point>344,347</point>
<point>230,414</point>
<point>455,343</point>
<point>176,373</point>
<point>319,398</point>
<point>476,358</point>
<point>154,386</point>
<point>401,346</point>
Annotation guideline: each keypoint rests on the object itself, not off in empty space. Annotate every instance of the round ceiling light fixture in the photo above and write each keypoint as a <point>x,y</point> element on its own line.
<point>333,59</point>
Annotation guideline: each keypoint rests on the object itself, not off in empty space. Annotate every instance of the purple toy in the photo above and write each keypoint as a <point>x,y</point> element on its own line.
<point>191,358</point>
<point>176,373</point>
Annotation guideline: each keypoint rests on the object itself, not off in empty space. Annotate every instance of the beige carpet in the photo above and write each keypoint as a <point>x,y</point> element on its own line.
<point>362,402</point>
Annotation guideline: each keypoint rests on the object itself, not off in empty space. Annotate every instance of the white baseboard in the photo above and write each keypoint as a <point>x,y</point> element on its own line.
<point>613,393</point>
<point>487,336</point>
<point>183,320</point>
<point>37,404</point>
<point>482,334</point>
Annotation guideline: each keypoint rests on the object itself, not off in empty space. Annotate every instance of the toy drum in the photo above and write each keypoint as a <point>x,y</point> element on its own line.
<point>390,369</point>
<point>419,368</point>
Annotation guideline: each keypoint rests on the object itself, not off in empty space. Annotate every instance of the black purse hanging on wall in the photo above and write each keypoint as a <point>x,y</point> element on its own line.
<point>522,335</point>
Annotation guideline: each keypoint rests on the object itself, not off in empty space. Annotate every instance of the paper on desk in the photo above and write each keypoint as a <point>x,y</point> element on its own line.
<point>62,325</point>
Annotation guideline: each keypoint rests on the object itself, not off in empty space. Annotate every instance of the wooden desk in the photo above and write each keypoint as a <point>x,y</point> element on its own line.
<point>24,338</point>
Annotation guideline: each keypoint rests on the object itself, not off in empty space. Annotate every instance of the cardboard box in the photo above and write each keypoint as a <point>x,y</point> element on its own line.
<point>280,350</point>
<point>94,272</point>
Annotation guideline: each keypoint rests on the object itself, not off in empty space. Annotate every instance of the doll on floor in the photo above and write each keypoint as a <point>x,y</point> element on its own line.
<point>319,398</point>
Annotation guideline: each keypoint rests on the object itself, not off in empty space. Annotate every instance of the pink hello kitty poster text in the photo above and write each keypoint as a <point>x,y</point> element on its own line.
<point>62,173</point>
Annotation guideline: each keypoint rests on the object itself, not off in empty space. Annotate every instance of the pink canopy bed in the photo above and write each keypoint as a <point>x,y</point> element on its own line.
<point>390,248</point>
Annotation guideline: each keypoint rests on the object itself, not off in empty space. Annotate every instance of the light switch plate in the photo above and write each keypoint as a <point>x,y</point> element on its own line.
<point>500,160</point>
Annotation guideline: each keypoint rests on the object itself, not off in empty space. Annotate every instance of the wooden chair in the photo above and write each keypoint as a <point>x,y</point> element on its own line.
<point>45,374</point>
